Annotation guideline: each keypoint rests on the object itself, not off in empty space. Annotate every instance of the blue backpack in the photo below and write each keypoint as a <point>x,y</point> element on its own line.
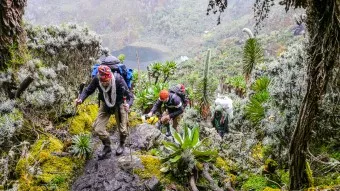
<point>126,73</point>
<point>94,70</point>
<point>115,66</point>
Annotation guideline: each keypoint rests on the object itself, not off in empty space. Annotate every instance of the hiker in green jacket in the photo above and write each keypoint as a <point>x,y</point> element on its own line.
<point>220,120</point>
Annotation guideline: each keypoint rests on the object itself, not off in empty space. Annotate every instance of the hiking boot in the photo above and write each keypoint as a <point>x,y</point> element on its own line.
<point>121,147</point>
<point>106,153</point>
<point>168,133</point>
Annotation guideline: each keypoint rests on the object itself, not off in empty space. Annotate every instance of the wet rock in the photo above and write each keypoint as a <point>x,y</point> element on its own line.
<point>144,137</point>
<point>126,164</point>
<point>152,184</point>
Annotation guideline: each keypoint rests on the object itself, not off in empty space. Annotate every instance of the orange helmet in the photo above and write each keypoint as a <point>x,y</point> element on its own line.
<point>163,95</point>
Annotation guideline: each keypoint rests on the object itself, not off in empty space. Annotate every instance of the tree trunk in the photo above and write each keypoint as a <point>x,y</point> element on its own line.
<point>11,12</point>
<point>323,56</point>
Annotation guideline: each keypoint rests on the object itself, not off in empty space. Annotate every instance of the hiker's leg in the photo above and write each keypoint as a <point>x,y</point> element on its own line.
<point>122,123</point>
<point>100,123</point>
<point>100,129</point>
<point>175,122</point>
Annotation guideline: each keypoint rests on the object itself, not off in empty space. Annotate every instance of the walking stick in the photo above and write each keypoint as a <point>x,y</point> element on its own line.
<point>80,90</point>
<point>128,128</point>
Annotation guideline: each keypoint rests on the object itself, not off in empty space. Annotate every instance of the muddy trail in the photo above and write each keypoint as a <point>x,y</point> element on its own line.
<point>116,173</point>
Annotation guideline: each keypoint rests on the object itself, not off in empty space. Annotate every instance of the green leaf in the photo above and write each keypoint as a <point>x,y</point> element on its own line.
<point>175,159</point>
<point>205,153</point>
<point>170,146</point>
<point>178,152</point>
<point>164,169</point>
<point>177,137</point>
<point>195,137</point>
<point>186,137</point>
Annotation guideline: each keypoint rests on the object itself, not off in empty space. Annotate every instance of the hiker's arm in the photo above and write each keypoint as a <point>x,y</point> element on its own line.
<point>156,106</point>
<point>89,89</point>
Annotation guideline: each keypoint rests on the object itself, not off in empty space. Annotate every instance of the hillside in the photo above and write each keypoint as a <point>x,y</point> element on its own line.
<point>180,25</point>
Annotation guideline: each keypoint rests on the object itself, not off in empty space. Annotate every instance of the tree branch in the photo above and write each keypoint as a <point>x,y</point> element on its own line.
<point>23,86</point>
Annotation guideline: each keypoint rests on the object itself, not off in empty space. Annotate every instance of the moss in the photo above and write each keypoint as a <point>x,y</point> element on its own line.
<point>270,165</point>
<point>328,180</point>
<point>47,167</point>
<point>152,166</point>
<point>284,176</point>
<point>256,183</point>
<point>271,189</point>
<point>257,152</point>
<point>134,119</point>
<point>309,175</point>
<point>222,164</point>
<point>19,55</point>
<point>82,123</point>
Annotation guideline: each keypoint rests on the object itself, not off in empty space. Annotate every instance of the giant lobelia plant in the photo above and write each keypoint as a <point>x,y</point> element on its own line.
<point>186,155</point>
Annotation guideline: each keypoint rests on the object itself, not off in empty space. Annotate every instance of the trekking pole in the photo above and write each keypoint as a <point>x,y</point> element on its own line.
<point>128,128</point>
<point>80,90</point>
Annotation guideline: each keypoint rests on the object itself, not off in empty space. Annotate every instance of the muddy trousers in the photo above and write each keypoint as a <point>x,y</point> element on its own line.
<point>103,118</point>
<point>175,123</point>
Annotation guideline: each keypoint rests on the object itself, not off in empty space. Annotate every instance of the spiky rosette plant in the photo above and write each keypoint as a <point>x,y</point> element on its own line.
<point>204,106</point>
<point>252,54</point>
<point>186,154</point>
<point>81,145</point>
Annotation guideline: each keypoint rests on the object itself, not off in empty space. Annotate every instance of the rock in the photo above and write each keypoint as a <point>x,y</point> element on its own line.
<point>126,164</point>
<point>152,184</point>
<point>144,137</point>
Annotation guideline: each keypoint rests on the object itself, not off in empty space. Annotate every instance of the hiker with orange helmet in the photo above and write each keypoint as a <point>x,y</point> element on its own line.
<point>112,92</point>
<point>174,106</point>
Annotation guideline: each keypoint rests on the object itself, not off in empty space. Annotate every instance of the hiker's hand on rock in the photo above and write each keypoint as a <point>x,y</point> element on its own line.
<point>78,102</point>
<point>165,118</point>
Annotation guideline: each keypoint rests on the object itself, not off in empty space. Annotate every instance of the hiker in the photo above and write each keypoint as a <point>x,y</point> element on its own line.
<point>219,120</point>
<point>173,106</point>
<point>112,91</point>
